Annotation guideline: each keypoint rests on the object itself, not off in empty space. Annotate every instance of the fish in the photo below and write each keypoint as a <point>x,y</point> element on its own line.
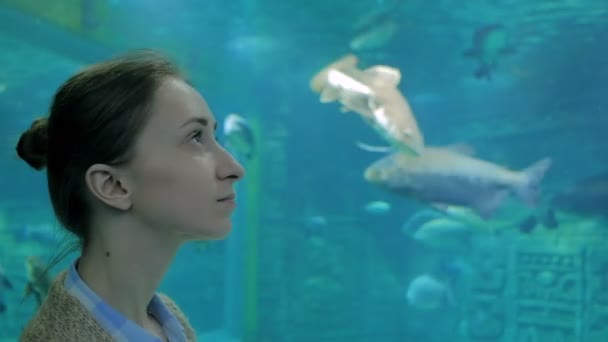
<point>373,94</point>
<point>238,136</point>
<point>455,225</point>
<point>444,176</point>
<point>374,37</point>
<point>377,207</point>
<point>488,43</point>
<point>427,293</point>
<point>416,220</point>
<point>386,11</point>
<point>546,219</point>
<point>443,233</point>
<point>587,196</point>
<point>38,282</point>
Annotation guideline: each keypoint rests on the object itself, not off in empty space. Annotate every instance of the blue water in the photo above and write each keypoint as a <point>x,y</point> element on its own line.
<point>345,277</point>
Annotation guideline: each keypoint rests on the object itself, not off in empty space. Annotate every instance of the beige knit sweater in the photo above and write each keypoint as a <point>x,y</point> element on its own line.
<point>62,318</point>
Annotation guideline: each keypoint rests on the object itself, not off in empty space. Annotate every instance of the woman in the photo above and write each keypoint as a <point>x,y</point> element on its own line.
<point>134,171</point>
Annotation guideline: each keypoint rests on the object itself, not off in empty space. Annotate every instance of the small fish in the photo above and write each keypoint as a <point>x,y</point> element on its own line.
<point>373,94</point>
<point>427,293</point>
<point>443,233</point>
<point>377,207</point>
<point>385,11</point>
<point>447,176</point>
<point>489,42</point>
<point>374,37</point>
<point>239,136</point>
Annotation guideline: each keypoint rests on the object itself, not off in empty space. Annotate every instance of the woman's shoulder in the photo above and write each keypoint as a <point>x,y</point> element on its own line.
<point>177,312</point>
<point>61,317</point>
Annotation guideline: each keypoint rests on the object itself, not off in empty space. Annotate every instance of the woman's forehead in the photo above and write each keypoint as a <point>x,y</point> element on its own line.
<point>177,104</point>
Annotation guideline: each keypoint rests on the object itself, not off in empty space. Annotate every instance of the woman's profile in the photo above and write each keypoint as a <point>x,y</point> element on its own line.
<point>134,171</point>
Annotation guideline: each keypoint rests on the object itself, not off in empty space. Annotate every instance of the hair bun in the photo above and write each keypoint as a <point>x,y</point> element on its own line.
<point>33,144</point>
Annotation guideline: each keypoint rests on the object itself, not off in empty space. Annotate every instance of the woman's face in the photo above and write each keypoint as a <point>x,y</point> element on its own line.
<point>183,180</point>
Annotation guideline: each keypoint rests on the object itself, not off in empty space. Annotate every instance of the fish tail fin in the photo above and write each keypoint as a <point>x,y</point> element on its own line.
<point>529,189</point>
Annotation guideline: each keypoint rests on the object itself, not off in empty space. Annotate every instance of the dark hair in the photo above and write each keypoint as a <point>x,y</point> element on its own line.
<point>95,117</point>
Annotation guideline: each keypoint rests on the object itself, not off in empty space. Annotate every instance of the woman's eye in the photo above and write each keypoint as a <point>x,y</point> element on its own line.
<point>198,136</point>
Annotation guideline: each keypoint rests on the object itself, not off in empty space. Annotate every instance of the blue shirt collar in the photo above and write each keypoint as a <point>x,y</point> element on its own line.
<point>115,323</point>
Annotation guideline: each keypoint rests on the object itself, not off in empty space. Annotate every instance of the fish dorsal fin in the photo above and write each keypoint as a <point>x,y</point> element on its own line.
<point>347,61</point>
<point>383,75</point>
<point>461,148</point>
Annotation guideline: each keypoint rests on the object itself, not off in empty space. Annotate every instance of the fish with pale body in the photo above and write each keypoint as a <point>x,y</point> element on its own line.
<point>442,233</point>
<point>373,94</point>
<point>444,176</point>
<point>428,293</point>
<point>377,207</point>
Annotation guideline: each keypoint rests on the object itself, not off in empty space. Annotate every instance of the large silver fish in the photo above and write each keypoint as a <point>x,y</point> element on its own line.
<point>373,94</point>
<point>449,176</point>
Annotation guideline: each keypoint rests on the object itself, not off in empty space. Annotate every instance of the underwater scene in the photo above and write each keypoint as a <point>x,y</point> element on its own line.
<point>416,170</point>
